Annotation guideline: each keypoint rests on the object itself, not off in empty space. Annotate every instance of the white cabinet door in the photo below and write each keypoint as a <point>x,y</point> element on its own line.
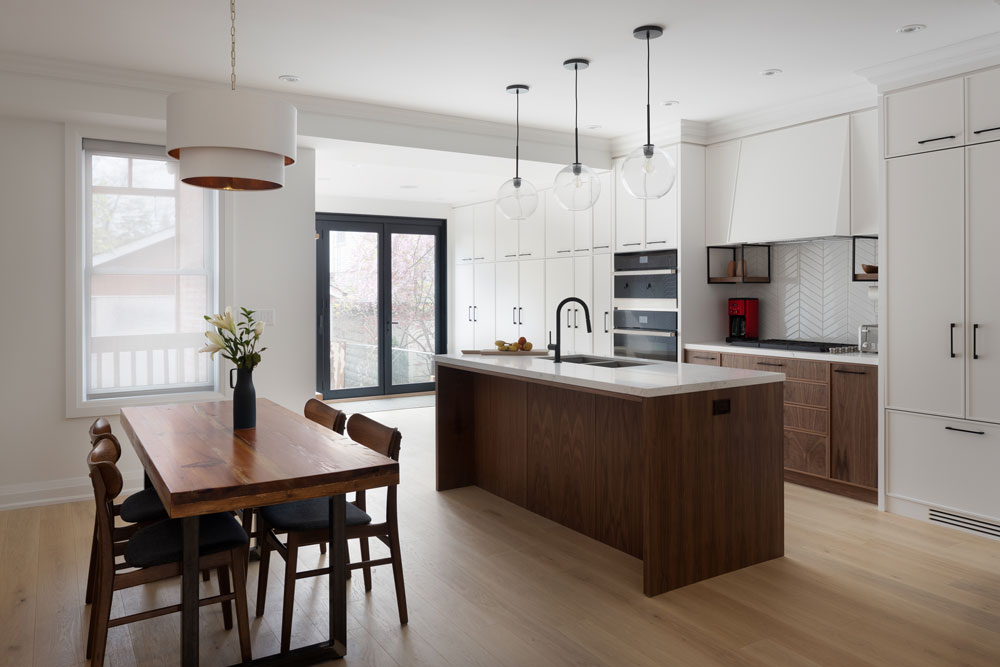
<point>506,301</point>
<point>462,229</point>
<point>934,462</point>
<point>558,286</point>
<point>600,311</point>
<point>506,234</point>
<point>465,332</point>
<point>531,234</point>
<point>630,216</point>
<point>531,301</point>
<point>983,321</point>
<point>601,236</point>
<point>558,228</point>
<point>484,306</point>
<point>583,288</point>
<point>484,232</point>
<point>721,164</point>
<point>866,205</point>
<point>926,118</point>
<point>661,214</point>
<point>924,348</point>
<point>982,107</point>
<point>794,184</point>
<point>583,231</point>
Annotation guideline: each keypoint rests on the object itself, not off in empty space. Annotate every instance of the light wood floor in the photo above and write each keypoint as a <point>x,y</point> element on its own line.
<point>491,584</point>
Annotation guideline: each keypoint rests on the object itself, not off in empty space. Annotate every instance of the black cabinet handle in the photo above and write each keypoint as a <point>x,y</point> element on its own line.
<point>953,325</point>
<point>624,245</point>
<point>470,313</point>
<point>525,254</point>
<point>598,247</point>
<point>568,311</point>
<point>519,309</point>
<point>964,430</point>
<point>558,251</point>
<point>582,249</point>
<point>475,313</point>
<point>510,255</point>
<point>606,322</point>
<point>698,356</point>
<point>478,258</point>
<point>575,325</point>
<point>653,242</point>
<point>975,336</point>
<point>513,315</point>
<point>989,129</point>
<point>927,141</point>
<point>764,363</point>
<point>838,370</point>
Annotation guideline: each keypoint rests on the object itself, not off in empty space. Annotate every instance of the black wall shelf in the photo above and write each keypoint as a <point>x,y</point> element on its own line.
<point>747,262</point>
<point>858,274</point>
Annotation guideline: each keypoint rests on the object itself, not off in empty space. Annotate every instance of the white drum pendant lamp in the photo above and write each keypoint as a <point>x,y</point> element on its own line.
<point>517,198</point>
<point>576,187</point>
<point>648,172</point>
<point>229,139</point>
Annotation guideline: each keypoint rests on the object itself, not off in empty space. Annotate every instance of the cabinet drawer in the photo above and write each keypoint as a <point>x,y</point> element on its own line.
<point>702,357</point>
<point>806,452</point>
<point>807,393</point>
<point>794,369</point>
<point>930,461</point>
<point>807,419</point>
<point>926,118</point>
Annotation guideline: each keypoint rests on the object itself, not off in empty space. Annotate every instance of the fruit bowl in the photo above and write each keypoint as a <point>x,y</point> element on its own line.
<point>869,268</point>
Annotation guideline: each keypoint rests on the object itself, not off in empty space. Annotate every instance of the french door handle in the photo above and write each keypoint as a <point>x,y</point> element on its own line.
<point>606,322</point>
<point>513,315</point>
<point>519,309</point>
<point>989,129</point>
<point>927,141</point>
<point>964,430</point>
<point>953,325</point>
<point>975,335</point>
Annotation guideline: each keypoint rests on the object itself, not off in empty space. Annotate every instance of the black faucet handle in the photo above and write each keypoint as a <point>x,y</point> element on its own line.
<point>551,345</point>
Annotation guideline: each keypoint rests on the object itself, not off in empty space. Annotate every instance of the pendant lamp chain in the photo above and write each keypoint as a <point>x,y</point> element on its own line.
<point>232,37</point>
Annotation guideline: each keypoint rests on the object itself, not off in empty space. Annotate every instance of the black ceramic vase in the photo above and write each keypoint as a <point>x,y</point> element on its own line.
<point>244,399</point>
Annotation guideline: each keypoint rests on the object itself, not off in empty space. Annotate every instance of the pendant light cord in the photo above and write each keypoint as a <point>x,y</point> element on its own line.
<point>648,135</point>
<point>576,112</point>
<point>232,47</point>
<point>517,132</point>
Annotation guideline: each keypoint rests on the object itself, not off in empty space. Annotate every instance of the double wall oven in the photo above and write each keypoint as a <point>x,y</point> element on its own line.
<point>645,305</point>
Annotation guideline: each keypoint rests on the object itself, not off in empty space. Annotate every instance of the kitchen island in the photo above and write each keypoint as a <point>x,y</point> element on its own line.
<point>676,464</point>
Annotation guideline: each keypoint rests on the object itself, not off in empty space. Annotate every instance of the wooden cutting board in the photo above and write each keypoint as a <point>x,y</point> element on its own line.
<point>530,353</point>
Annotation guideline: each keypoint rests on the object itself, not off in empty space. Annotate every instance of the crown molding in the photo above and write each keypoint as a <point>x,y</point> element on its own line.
<point>946,61</point>
<point>664,134</point>
<point>537,144</point>
<point>835,103</point>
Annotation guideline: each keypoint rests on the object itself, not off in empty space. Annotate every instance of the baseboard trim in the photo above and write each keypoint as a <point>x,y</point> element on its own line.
<point>53,492</point>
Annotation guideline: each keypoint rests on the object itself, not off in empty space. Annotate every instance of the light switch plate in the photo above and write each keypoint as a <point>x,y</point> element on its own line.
<point>266,315</point>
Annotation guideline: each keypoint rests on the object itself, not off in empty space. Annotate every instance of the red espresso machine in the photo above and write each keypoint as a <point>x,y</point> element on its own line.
<point>743,320</point>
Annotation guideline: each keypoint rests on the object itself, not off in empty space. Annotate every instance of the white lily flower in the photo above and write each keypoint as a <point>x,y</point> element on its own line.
<point>215,339</point>
<point>229,320</point>
<point>211,348</point>
<point>258,329</point>
<point>217,321</point>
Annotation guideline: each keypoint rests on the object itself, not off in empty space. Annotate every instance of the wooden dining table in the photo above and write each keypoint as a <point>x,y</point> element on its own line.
<point>199,464</point>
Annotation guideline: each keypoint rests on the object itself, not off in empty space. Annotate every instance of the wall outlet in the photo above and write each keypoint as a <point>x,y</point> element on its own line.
<point>266,315</point>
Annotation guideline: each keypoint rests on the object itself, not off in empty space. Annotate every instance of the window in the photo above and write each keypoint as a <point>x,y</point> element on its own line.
<point>149,274</point>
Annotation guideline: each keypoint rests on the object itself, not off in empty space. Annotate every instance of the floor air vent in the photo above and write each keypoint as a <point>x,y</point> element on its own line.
<point>968,523</point>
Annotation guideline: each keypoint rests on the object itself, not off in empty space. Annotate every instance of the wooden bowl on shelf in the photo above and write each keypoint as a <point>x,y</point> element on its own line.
<point>869,268</point>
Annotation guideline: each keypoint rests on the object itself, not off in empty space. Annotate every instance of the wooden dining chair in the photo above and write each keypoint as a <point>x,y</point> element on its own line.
<point>154,553</point>
<point>322,414</point>
<point>306,522</point>
<point>140,508</point>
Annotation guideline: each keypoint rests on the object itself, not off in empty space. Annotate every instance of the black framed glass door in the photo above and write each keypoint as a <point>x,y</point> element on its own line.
<point>380,304</point>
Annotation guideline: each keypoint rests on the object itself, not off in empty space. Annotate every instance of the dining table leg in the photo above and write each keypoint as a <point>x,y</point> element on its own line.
<point>338,574</point>
<point>189,592</point>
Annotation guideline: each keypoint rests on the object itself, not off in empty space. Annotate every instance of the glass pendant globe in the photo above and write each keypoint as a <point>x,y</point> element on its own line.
<point>648,172</point>
<point>577,187</point>
<point>517,199</point>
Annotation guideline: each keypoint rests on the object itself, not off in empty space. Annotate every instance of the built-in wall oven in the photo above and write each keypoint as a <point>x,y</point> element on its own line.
<point>645,305</point>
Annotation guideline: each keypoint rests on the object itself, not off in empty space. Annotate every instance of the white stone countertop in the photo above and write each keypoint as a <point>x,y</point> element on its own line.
<point>660,378</point>
<point>849,358</point>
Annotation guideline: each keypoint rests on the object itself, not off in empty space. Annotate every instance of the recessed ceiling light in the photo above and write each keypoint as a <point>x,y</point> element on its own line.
<point>912,27</point>
<point>408,187</point>
<point>771,72</point>
<point>289,78</point>
<point>592,127</point>
<point>669,103</point>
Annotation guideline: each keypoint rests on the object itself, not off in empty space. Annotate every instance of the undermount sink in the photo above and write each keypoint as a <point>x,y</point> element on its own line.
<point>603,362</point>
<point>617,364</point>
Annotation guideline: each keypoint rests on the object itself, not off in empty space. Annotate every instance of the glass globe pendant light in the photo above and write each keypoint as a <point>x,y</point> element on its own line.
<point>517,199</point>
<point>648,172</point>
<point>576,187</point>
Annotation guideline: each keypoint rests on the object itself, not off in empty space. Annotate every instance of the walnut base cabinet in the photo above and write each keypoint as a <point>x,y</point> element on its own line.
<point>830,422</point>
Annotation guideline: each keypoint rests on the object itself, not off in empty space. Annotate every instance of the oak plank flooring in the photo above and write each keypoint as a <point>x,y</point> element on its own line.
<point>490,584</point>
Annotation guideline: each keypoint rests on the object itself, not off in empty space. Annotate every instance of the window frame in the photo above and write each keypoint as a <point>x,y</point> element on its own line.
<point>78,404</point>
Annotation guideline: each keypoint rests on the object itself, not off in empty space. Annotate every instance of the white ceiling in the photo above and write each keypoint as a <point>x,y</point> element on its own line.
<point>456,56</point>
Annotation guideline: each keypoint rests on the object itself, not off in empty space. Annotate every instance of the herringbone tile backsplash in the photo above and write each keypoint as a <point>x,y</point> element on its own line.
<point>811,295</point>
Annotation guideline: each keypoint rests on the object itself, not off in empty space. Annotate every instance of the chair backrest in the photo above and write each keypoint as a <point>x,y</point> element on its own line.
<point>101,430</point>
<point>379,437</point>
<point>107,482</point>
<point>323,414</point>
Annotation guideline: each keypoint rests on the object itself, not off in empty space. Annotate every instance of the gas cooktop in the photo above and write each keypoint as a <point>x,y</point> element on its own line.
<point>797,345</point>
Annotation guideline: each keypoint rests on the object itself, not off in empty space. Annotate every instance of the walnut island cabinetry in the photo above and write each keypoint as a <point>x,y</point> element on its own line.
<point>676,464</point>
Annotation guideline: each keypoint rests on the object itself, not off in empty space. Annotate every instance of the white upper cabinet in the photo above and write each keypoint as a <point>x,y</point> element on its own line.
<point>558,228</point>
<point>506,233</point>
<point>721,164</point>
<point>601,238</point>
<point>794,183</point>
<point>661,214</point>
<point>630,216</point>
<point>462,229</point>
<point>866,205</point>
<point>484,229</point>
<point>927,118</point>
<point>583,230</point>
<point>982,107</point>
<point>531,234</point>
